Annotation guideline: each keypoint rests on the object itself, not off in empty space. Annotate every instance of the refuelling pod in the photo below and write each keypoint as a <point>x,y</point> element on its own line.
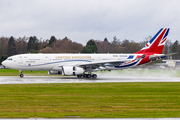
<point>54,72</point>
<point>72,70</point>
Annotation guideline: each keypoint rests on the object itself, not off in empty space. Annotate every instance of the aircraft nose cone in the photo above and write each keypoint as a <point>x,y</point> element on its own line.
<point>4,63</point>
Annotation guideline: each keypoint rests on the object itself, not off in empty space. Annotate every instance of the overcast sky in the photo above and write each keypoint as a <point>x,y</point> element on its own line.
<point>82,20</point>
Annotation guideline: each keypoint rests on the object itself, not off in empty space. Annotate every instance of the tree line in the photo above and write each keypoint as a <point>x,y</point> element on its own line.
<point>11,46</point>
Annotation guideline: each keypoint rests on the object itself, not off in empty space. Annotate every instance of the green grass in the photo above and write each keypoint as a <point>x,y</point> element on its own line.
<point>11,72</point>
<point>90,100</point>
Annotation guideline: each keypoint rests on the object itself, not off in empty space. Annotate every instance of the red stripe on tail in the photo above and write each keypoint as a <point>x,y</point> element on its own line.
<point>154,48</point>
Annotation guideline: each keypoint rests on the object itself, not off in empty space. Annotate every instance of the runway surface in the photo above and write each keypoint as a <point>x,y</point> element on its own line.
<point>44,79</point>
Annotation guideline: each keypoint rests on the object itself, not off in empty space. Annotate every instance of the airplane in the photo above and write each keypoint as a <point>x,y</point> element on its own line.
<point>82,65</point>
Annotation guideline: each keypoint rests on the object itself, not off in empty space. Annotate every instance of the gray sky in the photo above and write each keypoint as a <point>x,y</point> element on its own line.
<point>82,20</point>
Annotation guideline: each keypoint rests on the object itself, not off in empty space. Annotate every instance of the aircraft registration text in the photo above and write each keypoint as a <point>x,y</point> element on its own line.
<point>73,57</point>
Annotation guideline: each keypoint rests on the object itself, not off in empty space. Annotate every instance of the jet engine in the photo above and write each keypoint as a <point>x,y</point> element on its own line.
<point>72,70</point>
<point>54,72</point>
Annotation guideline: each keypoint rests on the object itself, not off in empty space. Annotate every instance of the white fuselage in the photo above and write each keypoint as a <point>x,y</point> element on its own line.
<point>47,62</point>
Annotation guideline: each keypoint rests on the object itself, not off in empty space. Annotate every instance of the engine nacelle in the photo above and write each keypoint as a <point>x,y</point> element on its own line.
<point>54,72</point>
<point>72,70</point>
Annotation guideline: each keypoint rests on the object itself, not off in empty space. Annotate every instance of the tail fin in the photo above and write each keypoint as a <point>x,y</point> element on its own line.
<point>156,44</point>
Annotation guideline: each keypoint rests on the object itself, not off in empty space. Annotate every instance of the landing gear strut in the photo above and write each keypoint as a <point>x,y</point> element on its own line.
<point>87,76</point>
<point>21,73</point>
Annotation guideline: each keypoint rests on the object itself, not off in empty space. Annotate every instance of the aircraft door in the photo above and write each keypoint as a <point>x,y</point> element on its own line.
<point>99,58</point>
<point>46,60</point>
<point>20,60</point>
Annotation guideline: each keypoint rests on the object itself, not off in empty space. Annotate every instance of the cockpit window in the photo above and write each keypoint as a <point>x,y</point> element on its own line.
<point>10,59</point>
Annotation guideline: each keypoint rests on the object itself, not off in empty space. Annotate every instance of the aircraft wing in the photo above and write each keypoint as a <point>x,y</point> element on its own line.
<point>158,56</point>
<point>103,63</point>
<point>170,54</point>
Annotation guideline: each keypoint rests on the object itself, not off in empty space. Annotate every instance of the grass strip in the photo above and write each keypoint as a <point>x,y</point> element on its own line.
<point>90,100</point>
<point>11,72</point>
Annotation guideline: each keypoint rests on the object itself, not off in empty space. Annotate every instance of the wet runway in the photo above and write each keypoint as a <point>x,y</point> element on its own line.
<point>47,79</point>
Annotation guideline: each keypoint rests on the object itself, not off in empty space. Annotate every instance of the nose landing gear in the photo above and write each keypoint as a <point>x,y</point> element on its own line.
<point>21,73</point>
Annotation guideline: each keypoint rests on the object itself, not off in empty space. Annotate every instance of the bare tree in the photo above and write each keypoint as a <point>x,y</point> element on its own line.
<point>21,45</point>
<point>66,46</point>
<point>3,45</point>
<point>46,50</point>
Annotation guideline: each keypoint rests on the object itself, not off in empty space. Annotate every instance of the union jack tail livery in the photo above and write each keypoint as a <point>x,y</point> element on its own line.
<point>156,44</point>
<point>153,49</point>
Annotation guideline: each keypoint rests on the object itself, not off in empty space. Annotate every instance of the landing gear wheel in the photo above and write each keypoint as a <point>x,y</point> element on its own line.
<point>79,76</point>
<point>94,76</point>
<point>88,75</point>
<point>21,75</point>
<point>84,75</point>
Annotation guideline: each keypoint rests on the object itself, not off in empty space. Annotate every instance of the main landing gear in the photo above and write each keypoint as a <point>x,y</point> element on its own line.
<point>21,73</point>
<point>87,76</point>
